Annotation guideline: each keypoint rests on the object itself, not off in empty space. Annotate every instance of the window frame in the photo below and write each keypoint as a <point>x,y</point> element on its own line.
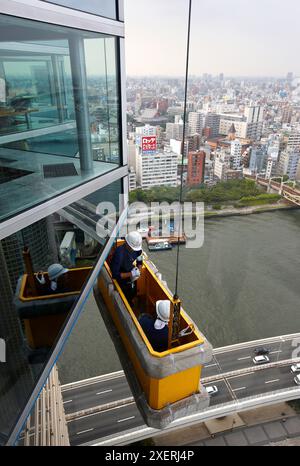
<point>84,11</point>
<point>41,11</point>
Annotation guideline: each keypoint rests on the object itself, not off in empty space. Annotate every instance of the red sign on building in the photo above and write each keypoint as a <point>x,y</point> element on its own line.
<point>148,144</point>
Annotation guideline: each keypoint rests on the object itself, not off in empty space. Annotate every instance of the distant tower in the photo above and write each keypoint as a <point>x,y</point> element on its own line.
<point>232,132</point>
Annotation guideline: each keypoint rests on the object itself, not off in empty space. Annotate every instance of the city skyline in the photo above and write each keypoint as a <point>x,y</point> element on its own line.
<point>226,38</point>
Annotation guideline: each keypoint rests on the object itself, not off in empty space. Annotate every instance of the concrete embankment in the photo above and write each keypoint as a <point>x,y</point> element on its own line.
<point>228,212</point>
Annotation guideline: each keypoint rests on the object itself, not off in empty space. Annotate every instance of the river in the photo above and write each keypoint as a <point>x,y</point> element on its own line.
<point>242,284</point>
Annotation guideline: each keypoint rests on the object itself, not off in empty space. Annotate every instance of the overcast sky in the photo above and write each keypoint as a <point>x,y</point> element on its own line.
<point>234,37</point>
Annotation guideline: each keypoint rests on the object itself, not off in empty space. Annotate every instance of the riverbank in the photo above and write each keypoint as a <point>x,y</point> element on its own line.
<point>234,211</point>
<point>225,211</point>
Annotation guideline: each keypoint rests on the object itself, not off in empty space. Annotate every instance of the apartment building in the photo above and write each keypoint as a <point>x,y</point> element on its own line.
<point>158,169</point>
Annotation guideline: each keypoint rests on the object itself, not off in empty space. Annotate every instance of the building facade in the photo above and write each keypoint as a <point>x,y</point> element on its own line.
<point>174,130</point>
<point>158,169</point>
<point>62,153</point>
<point>288,164</point>
<point>236,154</point>
<point>212,121</point>
<point>195,122</point>
<point>196,168</point>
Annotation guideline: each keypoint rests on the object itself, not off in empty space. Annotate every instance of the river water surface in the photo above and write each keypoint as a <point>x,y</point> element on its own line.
<point>243,284</point>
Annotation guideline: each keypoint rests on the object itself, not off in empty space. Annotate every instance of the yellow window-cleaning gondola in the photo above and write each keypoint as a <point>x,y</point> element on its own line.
<point>166,385</point>
<point>42,312</point>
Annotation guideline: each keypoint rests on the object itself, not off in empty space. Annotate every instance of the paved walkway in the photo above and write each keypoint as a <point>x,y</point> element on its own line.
<point>271,433</point>
<point>272,425</point>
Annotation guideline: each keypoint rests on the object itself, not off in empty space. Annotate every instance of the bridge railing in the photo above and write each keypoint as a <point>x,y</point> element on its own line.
<point>251,343</point>
<point>213,412</point>
<point>249,370</point>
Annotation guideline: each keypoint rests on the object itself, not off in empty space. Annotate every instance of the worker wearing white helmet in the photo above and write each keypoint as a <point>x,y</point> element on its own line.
<point>55,271</point>
<point>156,329</point>
<point>122,264</point>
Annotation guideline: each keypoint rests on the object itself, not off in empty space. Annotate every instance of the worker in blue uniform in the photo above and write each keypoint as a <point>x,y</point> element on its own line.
<point>122,267</point>
<point>56,282</point>
<point>156,330</point>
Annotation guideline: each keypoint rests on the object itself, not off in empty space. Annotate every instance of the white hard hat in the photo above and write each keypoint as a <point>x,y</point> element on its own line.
<point>55,271</point>
<point>134,240</point>
<point>163,310</point>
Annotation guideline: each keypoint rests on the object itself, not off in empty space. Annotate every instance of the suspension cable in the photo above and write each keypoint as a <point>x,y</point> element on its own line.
<point>183,143</point>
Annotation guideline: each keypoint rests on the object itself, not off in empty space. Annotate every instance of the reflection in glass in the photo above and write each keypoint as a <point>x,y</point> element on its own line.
<point>44,268</point>
<point>59,111</point>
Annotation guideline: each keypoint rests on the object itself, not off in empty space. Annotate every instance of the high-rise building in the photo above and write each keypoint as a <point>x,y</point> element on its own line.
<point>62,152</point>
<point>258,159</point>
<point>196,168</point>
<point>158,169</point>
<point>254,119</point>
<point>174,130</point>
<point>293,140</point>
<point>247,126</point>
<point>236,154</point>
<point>271,167</point>
<point>240,126</point>
<point>131,179</point>
<point>146,130</point>
<point>212,121</point>
<point>288,164</point>
<point>220,167</point>
<point>196,122</point>
<point>286,114</point>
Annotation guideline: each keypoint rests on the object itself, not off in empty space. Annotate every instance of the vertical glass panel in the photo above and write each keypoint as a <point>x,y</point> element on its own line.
<point>59,111</point>
<point>105,8</point>
<point>104,103</point>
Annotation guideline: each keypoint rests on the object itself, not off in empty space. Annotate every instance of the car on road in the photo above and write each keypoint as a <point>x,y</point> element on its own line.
<point>261,351</point>
<point>295,368</point>
<point>212,390</point>
<point>263,359</point>
<point>297,379</point>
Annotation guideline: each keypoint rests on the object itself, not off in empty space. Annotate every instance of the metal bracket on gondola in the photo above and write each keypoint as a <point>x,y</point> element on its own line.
<point>186,331</point>
<point>174,322</point>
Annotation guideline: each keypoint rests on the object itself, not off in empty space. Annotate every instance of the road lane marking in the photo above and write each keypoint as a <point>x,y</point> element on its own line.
<point>84,431</point>
<point>248,374</point>
<point>273,352</point>
<point>271,381</point>
<point>126,419</point>
<point>67,401</point>
<point>99,412</point>
<point>246,357</point>
<point>105,391</point>
<point>240,388</point>
<point>210,365</point>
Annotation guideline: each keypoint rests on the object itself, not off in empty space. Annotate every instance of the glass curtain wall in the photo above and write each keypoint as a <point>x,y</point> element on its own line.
<point>59,111</point>
<point>33,312</point>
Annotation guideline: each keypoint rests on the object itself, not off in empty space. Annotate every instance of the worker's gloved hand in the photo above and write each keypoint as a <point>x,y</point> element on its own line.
<point>135,274</point>
<point>139,261</point>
